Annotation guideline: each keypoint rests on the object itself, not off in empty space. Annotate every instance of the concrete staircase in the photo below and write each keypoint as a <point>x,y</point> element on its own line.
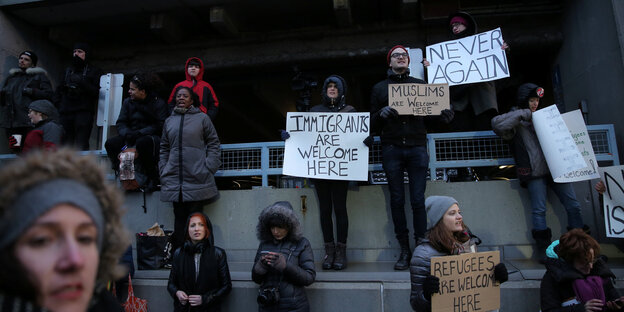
<point>494,210</point>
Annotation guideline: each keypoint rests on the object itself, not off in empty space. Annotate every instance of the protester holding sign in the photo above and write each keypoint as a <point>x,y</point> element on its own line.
<point>517,127</point>
<point>446,235</point>
<point>332,194</point>
<point>403,140</point>
<point>474,104</point>
<point>578,279</point>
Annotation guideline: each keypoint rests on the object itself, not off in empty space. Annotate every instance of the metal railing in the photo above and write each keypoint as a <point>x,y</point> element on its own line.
<point>446,150</point>
<point>451,150</point>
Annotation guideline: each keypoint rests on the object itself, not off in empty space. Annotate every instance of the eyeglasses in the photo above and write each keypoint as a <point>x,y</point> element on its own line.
<point>398,55</point>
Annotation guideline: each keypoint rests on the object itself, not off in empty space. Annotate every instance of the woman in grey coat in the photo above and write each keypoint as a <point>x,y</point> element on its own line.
<point>284,263</point>
<point>189,158</point>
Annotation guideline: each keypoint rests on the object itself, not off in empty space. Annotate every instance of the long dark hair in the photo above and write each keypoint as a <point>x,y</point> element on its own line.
<point>194,95</point>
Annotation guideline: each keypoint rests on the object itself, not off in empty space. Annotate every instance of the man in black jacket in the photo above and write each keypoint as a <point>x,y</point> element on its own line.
<point>77,97</point>
<point>403,139</point>
<point>24,84</point>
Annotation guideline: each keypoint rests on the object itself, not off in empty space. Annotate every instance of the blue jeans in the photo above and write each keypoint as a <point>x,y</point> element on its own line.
<point>414,160</point>
<point>567,197</point>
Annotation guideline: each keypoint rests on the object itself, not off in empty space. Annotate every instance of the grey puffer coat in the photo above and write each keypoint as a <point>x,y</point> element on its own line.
<point>420,267</point>
<point>299,271</point>
<point>189,157</point>
<point>14,102</point>
<point>517,126</point>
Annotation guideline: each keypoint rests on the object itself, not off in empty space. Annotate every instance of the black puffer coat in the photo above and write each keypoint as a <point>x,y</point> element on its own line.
<point>14,103</point>
<point>403,130</point>
<point>213,282</point>
<point>147,116</point>
<point>299,271</point>
<point>556,286</point>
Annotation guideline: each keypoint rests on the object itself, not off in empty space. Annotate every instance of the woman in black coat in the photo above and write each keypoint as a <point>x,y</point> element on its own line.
<point>284,263</point>
<point>200,277</point>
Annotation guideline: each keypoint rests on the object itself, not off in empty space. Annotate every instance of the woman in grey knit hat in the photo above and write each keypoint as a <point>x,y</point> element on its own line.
<point>55,208</point>
<point>446,235</point>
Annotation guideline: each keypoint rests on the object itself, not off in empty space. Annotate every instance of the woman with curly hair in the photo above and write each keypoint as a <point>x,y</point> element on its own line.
<point>446,235</point>
<point>60,233</point>
<point>578,279</point>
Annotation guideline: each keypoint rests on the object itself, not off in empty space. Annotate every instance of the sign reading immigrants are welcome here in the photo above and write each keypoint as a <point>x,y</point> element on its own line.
<point>327,146</point>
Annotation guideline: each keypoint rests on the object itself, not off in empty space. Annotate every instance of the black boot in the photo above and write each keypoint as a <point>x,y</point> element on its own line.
<point>542,241</point>
<point>404,257</point>
<point>341,256</point>
<point>328,261</point>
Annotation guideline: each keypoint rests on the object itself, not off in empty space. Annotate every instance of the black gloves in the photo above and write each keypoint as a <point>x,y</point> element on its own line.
<point>500,273</point>
<point>388,112</point>
<point>447,115</point>
<point>132,136</point>
<point>284,135</point>
<point>369,141</point>
<point>28,91</point>
<point>431,286</point>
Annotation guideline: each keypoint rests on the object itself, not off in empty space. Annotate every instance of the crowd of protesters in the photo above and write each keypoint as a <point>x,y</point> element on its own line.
<point>178,149</point>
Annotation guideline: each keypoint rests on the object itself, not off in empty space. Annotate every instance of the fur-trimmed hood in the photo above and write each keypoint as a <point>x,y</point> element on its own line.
<point>283,212</point>
<point>29,71</point>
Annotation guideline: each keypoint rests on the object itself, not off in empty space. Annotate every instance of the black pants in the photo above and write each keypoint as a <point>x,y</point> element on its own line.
<point>148,148</point>
<point>77,126</point>
<point>181,211</point>
<point>332,195</point>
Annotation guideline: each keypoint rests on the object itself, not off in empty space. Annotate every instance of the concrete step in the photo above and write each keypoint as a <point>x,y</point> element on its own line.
<point>363,286</point>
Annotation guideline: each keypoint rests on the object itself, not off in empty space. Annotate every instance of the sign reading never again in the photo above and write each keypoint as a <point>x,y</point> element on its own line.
<point>418,99</point>
<point>476,58</point>
<point>466,282</point>
<point>327,146</point>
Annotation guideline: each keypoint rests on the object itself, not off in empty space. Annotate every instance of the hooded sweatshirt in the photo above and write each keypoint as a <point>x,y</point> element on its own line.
<point>209,103</point>
<point>334,105</point>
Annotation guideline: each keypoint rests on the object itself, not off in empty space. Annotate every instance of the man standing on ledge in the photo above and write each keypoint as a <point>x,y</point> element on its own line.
<point>77,97</point>
<point>24,85</point>
<point>403,140</point>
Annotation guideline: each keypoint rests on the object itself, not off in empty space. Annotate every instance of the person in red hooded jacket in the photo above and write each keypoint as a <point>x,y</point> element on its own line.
<point>208,102</point>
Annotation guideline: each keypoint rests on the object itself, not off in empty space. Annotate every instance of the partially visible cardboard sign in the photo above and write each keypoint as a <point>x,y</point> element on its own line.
<point>419,99</point>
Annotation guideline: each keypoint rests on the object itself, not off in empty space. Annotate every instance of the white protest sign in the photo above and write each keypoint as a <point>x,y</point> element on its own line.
<point>466,282</point>
<point>417,70</point>
<point>575,123</point>
<point>476,58</point>
<point>613,200</point>
<point>327,146</point>
<point>418,99</point>
<point>560,151</point>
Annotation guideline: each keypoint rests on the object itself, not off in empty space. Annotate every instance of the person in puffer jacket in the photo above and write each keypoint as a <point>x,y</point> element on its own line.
<point>446,235</point>
<point>531,167</point>
<point>577,278</point>
<point>190,155</point>
<point>284,261</point>
<point>47,133</point>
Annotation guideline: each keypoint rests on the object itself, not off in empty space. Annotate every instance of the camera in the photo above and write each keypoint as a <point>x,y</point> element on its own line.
<point>303,83</point>
<point>268,296</point>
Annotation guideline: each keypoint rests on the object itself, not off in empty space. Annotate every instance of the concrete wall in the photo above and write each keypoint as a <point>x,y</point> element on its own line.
<point>496,211</point>
<point>591,60</point>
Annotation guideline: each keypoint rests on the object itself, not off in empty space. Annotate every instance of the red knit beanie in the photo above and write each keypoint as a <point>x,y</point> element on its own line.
<point>458,19</point>
<point>397,47</point>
